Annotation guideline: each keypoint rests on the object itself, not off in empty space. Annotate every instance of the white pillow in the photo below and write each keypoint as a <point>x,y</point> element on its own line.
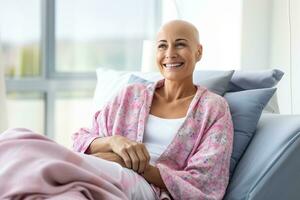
<point>110,82</point>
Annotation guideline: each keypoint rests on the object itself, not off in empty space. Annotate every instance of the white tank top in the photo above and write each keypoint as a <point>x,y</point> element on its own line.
<point>159,133</point>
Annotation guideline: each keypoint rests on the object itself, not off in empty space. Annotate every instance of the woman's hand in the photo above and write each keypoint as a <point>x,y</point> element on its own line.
<point>134,154</point>
<point>110,156</point>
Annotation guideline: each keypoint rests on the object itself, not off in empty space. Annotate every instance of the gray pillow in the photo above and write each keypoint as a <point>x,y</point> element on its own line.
<point>215,82</point>
<point>245,80</point>
<point>246,108</point>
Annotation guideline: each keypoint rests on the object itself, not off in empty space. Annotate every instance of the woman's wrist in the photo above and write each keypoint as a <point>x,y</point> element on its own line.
<point>110,142</point>
<point>152,175</point>
<point>100,145</point>
<point>110,156</point>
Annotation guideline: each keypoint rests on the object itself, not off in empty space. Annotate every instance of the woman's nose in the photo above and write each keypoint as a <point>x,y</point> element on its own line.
<point>171,53</point>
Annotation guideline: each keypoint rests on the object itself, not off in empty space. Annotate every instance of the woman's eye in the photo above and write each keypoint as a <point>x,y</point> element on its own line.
<point>162,46</point>
<point>180,45</point>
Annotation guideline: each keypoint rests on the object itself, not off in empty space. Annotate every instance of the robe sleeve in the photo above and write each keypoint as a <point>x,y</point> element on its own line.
<point>84,136</point>
<point>110,119</point>
<point>206,174</point>
<point>101,123</point>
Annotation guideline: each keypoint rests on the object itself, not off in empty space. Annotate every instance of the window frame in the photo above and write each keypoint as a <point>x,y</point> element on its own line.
<point>50,82</point>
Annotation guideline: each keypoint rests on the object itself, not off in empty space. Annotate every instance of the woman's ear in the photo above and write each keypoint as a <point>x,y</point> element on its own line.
<point>199,52</point>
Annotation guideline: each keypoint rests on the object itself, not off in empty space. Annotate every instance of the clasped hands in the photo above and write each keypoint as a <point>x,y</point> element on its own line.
<point>127,153</point>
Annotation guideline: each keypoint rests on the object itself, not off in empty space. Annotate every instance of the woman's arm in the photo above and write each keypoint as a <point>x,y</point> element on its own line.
<point>103,138</point>
<point>100,145</point>
<point>89,141</point>
<point>206,174</point>
<point>152,175</point>
<point>110,156</point>
<point>134,154</point>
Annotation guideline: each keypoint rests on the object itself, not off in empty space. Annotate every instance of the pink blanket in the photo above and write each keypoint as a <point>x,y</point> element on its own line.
<point>34,167</point>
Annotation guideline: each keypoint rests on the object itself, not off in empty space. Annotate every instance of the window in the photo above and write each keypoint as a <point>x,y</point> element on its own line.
<point>20,37</point>
<point>26,109</point>
<point>72,111</point>
<point>105,34</point>
<point>50,61</point>
<point>52,48</point>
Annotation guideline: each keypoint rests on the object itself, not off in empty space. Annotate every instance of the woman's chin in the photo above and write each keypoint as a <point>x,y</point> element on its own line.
<point>172,76</point>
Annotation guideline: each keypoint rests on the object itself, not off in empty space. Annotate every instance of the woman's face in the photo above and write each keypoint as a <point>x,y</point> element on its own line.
<point>177,52</point>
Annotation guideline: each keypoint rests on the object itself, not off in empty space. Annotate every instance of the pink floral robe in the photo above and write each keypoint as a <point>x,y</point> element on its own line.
<point>196,163</point>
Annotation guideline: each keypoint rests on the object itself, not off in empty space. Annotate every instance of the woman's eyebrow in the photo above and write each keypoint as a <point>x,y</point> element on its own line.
<point>179,39</point>
<point>162,41</point>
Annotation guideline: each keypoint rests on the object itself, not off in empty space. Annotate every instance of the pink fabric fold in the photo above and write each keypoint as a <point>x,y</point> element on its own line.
<point>34,167</point>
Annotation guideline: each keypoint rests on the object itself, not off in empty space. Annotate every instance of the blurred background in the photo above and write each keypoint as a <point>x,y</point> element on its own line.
<point>49,50</point>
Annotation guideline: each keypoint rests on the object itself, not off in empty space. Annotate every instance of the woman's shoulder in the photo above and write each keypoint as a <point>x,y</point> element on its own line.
<point>138,87</point>
<point>135,89</point>
<point>210,98</point>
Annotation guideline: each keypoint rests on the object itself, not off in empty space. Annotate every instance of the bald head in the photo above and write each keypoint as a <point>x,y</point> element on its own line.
<point>178,45</point>
<point>180,27</point>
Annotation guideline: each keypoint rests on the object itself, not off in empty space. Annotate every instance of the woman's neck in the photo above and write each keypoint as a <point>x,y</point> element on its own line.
<point>175,90</point>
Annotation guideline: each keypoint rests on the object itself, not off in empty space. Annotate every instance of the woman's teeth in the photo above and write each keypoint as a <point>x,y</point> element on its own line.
<point>173,65</point>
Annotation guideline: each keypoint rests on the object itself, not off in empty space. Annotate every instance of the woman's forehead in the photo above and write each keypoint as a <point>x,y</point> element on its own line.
<point>178,29</point>
<point>175,35</point>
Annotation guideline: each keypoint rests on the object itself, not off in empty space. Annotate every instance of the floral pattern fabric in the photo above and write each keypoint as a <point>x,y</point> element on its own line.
<point>196,163</point>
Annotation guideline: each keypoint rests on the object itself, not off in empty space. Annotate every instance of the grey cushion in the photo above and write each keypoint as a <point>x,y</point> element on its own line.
<point>245,80</point>
<point>269,169</point>
<point>215,82</point>
<point>246,108</point>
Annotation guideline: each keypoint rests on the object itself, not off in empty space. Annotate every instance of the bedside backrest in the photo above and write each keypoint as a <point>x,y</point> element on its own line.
<point>269,169</point>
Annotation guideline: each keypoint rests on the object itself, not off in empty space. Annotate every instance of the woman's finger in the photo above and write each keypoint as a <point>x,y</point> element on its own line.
<point>126,158</point>
<point>134,157</point>
<point>146,153</point>
<point>142,160</point>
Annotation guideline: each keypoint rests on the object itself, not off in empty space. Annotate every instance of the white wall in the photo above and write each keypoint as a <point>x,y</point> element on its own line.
<point>285,48</point>
<point>270,39</point>
<point>248,35</point>
<point>280,51</point>
<point>295,54</point>
<point>255,34</point>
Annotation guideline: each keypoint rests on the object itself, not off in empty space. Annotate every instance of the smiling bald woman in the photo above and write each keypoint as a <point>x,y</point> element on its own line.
<point>173,134</point>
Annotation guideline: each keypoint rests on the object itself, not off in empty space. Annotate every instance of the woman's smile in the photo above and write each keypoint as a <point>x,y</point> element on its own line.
<point>173,65</point>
